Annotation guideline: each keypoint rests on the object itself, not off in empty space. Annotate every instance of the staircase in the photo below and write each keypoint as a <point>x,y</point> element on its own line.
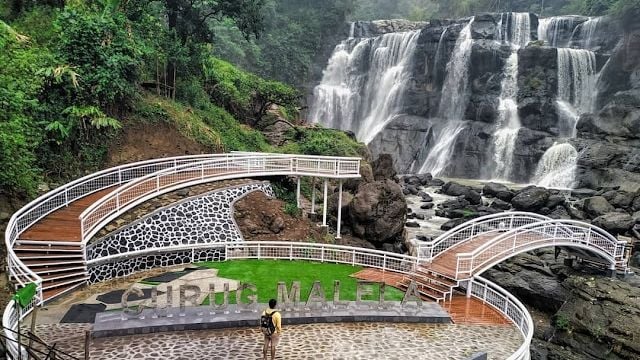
<point>61,267</point>
<point>430,284</point>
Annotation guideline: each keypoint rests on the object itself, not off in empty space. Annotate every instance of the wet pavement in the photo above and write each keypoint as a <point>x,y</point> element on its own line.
<point>313,341</point>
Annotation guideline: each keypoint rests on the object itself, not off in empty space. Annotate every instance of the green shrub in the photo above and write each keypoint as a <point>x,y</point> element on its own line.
<point>245,95</point>
<point>292,210</point>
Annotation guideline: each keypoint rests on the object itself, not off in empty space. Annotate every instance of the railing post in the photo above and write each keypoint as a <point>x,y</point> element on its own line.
<point>120,176</point>
<point>337,167</point>
<point>313,195</point>
<point>353,257</point>
<point>324,207</point>
<point>291,252</point>
<point>322,254</point>
<point>515,237</point>
<point>259,248</point>
<point>511,221</point>
<point>202,171</point>
<point>66,197</point>
<point>157,182</point>
<point>484,293</point>
<point>384,262</point>
<point>589,236</point>
<point>298,194</point>
<point>338,235</point>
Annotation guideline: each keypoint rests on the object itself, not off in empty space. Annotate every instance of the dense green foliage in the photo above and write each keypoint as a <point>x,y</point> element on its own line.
<point>297,36</point>
<point>266,274</point>
<point>72,74</point>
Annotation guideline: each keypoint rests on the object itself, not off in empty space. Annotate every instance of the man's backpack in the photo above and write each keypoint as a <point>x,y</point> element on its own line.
<point>266,324</point>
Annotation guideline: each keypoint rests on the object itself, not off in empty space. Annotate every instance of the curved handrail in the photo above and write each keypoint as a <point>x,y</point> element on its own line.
<point>481,288</point>
<point>541,234</point>
<point>481,225</point>
<point>236,165</point>
<point>507,304</point>
<point>63,195</point>
<point>288,250</point>
<point>10,324</point>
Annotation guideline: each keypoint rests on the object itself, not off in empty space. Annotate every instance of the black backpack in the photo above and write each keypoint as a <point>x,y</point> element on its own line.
<point>266,324</point>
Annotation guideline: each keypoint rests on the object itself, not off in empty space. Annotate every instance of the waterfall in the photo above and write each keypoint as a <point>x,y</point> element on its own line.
<point>438,57</point>
<point>576,84</point>
<point>352,30</point>
<point>440,154</point>
<point>557,168</point>
<point>515,28</point>
<point>455,94</point>
<point>365,103</point>
<point>506,134</point>
<point>551,30</point>
<point>509,122</point>
<point>453,102</point>
<point>582,35</point>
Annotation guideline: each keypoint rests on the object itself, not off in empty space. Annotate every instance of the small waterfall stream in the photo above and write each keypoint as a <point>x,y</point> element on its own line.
<point>453,103</point>
<point>557,168</point>
<point>556,31</point>
<point>506,134</point>
<point>576,87</point>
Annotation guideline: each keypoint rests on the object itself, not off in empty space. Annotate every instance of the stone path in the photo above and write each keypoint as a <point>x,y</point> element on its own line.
<point>315,341</point>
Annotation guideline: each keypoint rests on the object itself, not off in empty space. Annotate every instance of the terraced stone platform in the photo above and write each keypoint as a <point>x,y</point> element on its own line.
<point>312,341</point>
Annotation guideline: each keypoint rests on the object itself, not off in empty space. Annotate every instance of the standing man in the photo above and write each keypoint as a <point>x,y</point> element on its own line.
<point>271,326</point>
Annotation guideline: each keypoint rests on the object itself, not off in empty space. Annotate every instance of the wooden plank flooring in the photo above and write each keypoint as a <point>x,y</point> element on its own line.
<point>64,223</point>
<point>471,311</point>
<point>462,310</point>
<point>388,277</point>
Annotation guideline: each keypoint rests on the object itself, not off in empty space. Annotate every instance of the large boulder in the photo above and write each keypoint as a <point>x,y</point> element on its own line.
<point>378,212</point>
<point>597,206</point>
<point>530,199</point>
<point>383,168</point>
<point>492,189</point>
<point>615,223</point>
<point>600,319</point>
<point>455,189</point>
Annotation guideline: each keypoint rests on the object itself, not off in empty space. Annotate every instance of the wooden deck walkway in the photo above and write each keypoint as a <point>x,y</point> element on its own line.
<point>63,224</point>
<point>463,310</point>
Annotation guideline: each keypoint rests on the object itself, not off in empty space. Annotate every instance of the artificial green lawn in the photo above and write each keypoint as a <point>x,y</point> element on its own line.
<point>266,274</point>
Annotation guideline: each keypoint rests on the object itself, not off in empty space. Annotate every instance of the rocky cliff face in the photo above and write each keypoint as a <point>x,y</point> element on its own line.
<point>603,129</point>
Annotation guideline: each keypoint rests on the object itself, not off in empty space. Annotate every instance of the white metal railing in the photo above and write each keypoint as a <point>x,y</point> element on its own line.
<point>235,165</point>
<point>507,304</point>
<point>481,288</point>
<point>541,234</point>
<point>497,223</point>
<point>10,326</point>
<point>63,195</point>
<point>287,250</point>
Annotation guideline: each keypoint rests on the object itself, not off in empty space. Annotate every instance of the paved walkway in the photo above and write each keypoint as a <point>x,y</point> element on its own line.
<point>316,341</point>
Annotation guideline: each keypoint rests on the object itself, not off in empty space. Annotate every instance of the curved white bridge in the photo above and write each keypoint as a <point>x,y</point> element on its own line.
<point>46,239</point>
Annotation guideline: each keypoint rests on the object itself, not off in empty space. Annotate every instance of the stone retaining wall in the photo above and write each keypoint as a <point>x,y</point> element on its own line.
<point>203,219</point>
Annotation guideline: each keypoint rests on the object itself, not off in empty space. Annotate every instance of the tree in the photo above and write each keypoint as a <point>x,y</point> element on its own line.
<point>189,20</point>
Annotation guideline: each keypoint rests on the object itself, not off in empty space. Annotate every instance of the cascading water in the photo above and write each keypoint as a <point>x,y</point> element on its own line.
<point>438,57</point>
<point>453,102</point>
<point>557,168</point>
<point>515,28</point>
<point>504,138</point>
<point>365,103</point>
<point>552,30</point>
<point>576,87</point>
<point>576,96</point>
<point>582,35</point>
<point>509,123</point>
